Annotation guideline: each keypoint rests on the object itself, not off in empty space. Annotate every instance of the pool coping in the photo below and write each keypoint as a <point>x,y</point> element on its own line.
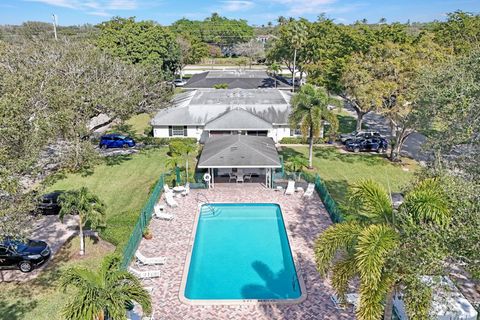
<point>211,302</point>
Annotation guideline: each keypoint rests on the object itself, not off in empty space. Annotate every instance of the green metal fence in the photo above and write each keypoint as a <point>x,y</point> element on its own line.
<point>330,204</point>
<point>142,223</point>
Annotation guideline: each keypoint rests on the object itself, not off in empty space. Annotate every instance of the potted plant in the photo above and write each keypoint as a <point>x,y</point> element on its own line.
<point>147,234</point>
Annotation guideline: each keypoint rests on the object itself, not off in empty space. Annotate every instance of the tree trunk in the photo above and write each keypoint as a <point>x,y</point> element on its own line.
<point>186,165</point>
<point>82,240</point>
<point>310,150</point>
<point>360,116</point>
<point>293,72</point>
<point>388,312</point>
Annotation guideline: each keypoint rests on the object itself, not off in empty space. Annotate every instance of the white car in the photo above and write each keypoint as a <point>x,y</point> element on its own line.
<point>179,82</point>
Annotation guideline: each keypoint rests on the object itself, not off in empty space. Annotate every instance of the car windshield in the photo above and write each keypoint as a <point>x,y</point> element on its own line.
<point>17,246</point>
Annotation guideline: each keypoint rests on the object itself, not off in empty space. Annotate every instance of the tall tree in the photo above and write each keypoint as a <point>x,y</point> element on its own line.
<point>143,42</point>
<point>370,243</point>
<point>448,99</point>
<point>103,293</point>
<point>460,33</point>
<point>252,49</point>
<point>87,206</point>
<point>309,111</point>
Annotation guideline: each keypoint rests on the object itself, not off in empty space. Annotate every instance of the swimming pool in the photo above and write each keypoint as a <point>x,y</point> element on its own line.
<point>240,253</point>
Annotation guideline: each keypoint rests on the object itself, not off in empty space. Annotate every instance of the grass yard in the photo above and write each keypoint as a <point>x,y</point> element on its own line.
<point>42,298</point>
<point>123,183</point>
<point>339,170</point>
<point>139,122</point>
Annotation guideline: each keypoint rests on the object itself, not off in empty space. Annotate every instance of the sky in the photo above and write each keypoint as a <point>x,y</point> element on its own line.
<point>258,12</point>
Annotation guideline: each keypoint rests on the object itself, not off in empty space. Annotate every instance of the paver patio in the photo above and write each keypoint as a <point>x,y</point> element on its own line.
<point>304,218</point>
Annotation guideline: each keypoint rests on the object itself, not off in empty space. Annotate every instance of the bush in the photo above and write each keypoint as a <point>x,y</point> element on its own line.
<point>301,140</point>
<point>160,142</point>
<point>177,146</point>
<point>221,86</point>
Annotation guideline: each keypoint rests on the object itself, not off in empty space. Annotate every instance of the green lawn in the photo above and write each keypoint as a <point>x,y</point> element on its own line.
<point>42,298</point>
<point>123,183</point>
<point>139,122</point>
<point>339,170</point>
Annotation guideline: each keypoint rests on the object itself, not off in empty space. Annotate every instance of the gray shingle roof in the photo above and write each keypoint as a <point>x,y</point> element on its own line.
<point>247,79</point>
<point>199,107</point>
<point>238,119</point>
<point>239,151</point>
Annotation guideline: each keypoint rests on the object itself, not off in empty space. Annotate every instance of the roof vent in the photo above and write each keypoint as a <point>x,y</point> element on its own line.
<point>233,148</point>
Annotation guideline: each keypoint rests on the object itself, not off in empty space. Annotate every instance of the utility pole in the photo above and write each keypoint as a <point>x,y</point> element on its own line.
<point>55,26</point>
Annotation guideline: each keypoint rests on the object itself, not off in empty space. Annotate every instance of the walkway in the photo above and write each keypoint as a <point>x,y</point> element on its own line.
<point>304,219</point>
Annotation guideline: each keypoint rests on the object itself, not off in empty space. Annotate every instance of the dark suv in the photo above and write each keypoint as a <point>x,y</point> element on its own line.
<point>23,255</point>
<point>379,145</point>
<point>48,203</point>
<point>115,140</point>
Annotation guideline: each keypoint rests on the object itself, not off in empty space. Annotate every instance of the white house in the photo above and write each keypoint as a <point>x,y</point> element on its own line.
<point>203,113</point>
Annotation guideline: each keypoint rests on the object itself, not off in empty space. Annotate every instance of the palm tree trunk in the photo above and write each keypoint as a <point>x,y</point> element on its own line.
<point>82,240</point>
<point>388,312</point>
<point>310,150</point>
<point>359,120</point>
<point>186,165</point>
<point>293,72</point>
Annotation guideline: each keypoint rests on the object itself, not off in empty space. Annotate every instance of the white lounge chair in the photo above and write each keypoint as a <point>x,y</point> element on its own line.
<point>167,189</point>
<point>336,302</point>
<point>145,274</point>
<point>231,176</point>
<point>310,190</point>
<point>159,213</point>
<point>239,178</point>
<point>352,298</point>
<point>247,177</point>
<point>187,190</point>
<point>290,187</point>
<point>170,200</point>
<point>149,261</point>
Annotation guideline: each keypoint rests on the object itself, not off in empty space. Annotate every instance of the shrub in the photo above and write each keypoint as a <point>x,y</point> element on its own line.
<point>221,86</point>
<point>301,140</point>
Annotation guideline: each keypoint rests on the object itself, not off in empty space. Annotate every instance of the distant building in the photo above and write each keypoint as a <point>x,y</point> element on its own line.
<point>235,79</point>
<point>213,112</point>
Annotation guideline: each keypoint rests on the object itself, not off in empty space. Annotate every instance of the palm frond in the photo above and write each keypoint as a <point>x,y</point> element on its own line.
<point>427,203</point>
<point>343,271</point>
<point>371,304</point>
<point>341,236</point>
<point>372,201</point>
<point>374,245</point>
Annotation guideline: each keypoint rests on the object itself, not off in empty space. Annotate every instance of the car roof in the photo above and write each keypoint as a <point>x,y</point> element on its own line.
<point>113,135</point>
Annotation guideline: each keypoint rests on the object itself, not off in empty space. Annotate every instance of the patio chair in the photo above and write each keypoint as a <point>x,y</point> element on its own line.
<point>159,213</point>
<point>147,260</point>
<point>352,298</point>
<point>232,176</point>
<point>309,191</point>
<point>247,177</point>
<point>170,200</point>
<point>145,274</point>
<point>167,189</point>
<point>336,302</point>
<point>290,187</point>
<point>187,190</point>
<point>239,179</point>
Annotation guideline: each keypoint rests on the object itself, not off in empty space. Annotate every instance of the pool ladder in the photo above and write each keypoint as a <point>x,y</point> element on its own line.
<point>206,203</point>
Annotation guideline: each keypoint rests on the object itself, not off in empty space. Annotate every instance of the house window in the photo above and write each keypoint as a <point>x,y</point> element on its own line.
<point>295,132</point>
<point>177,131</point>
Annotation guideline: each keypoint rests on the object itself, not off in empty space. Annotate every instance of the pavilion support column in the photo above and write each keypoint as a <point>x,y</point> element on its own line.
<point>213,177</point>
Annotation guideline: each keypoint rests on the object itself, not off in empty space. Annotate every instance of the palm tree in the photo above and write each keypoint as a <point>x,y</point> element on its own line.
<point>274,68</point>
<point>297,163</point>
<point>363,245</point>
<point>103,292</point>
<point>89,208</point>
<point>188,149</point>
<point>309,110</point>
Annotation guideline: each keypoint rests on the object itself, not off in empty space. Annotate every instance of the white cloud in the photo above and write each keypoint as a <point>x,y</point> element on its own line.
<point>301,7</point>
<point>236,5</point>
<point>93,7</point>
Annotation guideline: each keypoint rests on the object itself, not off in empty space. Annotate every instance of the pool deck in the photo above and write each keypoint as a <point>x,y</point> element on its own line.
<point>305,219</point>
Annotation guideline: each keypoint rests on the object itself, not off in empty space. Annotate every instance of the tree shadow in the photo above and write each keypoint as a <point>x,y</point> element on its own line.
<point>117,160</point>
<point>16,310</point>
<point>333,154</point>
<point>288,153</point>
<point>275,284</point>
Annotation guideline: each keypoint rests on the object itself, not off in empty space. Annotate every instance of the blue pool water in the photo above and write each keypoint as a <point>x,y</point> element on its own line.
<point>241,251</point>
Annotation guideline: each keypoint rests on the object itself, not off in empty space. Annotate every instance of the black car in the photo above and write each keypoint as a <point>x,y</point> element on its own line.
<point>23,255</point>
<point>346,137</point>
<point>379,145</point>
<point>48,203</point>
